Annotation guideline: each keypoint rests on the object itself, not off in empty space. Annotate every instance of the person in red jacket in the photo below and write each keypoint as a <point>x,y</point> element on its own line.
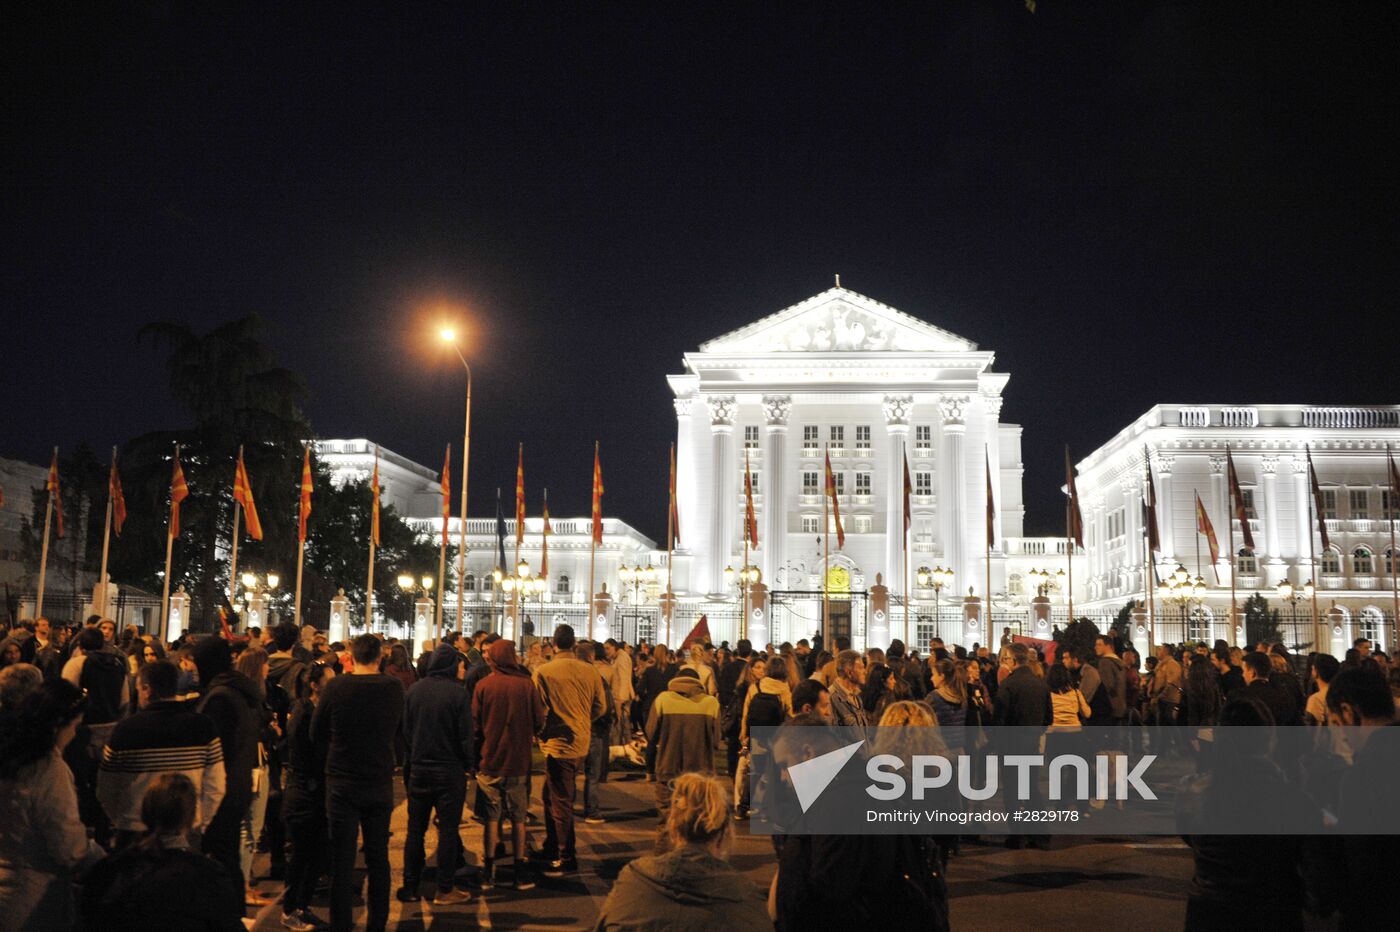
<point>509,712</point>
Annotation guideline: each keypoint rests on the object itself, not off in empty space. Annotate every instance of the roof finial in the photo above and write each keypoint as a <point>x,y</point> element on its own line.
<point>838,279</point>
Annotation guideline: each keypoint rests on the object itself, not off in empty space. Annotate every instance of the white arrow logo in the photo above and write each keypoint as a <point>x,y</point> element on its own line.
<point>811,777</point>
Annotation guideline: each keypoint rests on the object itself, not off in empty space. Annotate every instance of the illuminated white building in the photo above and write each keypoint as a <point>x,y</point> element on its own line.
<point>1187,445</point>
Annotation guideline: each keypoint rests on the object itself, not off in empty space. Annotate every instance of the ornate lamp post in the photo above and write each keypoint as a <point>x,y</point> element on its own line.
<point>256,592</point>
<point>1292,596</point>
<point>936,579</point>
<point>1180,589</point>
<point>743,579</point>
<point>422,606</point>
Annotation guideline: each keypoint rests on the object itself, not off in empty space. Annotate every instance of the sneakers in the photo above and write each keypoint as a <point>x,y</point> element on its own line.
<point>407,894</point>
<point>488,875</point>
<point>524,876</point>
<point>297,923</point>
<point>562,866</point>
<point>594,820</point>
<point>451,897</point>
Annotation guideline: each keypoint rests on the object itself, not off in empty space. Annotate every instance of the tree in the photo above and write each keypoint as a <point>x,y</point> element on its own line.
<point>1078,636</point>
<point>1123,622</point>
<point>1262,623</point>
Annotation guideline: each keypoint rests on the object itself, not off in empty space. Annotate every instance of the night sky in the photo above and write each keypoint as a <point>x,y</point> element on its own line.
<point>1128,203</point>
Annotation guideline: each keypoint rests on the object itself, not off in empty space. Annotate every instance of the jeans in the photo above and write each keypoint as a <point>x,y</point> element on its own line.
<point>252,823</point>
<point>352,808</point>
<point>222,842</point>
<point>558,795</point>
<point>595,771</point>
<point>304,815</point>
<point>443,790</point>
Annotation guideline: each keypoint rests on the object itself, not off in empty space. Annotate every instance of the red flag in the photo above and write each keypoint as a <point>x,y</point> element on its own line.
<point>374,508</point>
<point>1074,519</point>
<point>1203,526</point>
<point>544,540</point>
<point>114,489</point>
<point>991,502</point>
<point>1394,508</point>
<point>1237,501</point>
<point>223,620</point>
<point>446,493</point>
<point>675,508</point>
<point>908,497</point>
<point>55,491</point>
<point>304,504</point>
<point>700,634</point>
<point>597,496</point>
<point>520,498</point>
<point>179,491</point>
<point>835,504</point>
<point>243,495</point>
<point>750,522</point>
<point>1317,503</point>
<point>1149,507</point>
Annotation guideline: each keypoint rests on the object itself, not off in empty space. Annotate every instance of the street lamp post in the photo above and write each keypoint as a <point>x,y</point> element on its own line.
<point>1292,596</point>
<point>417,587</point>
<point>449,336</point>
<point>636,577</point>
<point>936,579</point>
<point>744,579</point>
<point>522,582</point>
<point>256,591</point>
<point>1181,589</point>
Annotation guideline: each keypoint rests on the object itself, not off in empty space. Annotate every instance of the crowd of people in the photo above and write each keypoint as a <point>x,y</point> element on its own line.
<point>130,768</point>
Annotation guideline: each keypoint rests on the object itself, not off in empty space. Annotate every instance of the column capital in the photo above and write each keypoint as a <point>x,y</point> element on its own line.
<point>897,410</point>
<point>1164,463</point>
<point>722,409</point>
<point>1130,485</point>
<point>1217,465</point>
<point>953,407</point>
<point>776,409</point>
<point>993,404</point>
<point>683,405</point>
<point>1300,465</point>
<point>1268,465</point>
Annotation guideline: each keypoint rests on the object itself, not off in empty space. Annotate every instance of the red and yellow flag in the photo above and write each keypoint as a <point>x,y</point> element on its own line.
<point>374,493</point>
<point>304,503</point>
<point>520,497</point>
<point>1149,508</point>
<point>597,496</point>
<point>55,490</point>
<point>1203,526</point>
<point>1394,510</point>
<point>835,504</point>
<point>243,495</point>
<point>1317,504</point>
<point>908,498</point>
<point>114,489</point>
<point>750,522</point>
<point>1237,501</point>
<point>544,544</point>
<point>991,502</point>
<point>179,491</point>
<point>1074,518</point>
<point>446,492</point>
<point>675,507</point>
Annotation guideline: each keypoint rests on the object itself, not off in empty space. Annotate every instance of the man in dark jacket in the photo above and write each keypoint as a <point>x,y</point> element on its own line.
<point>437,730</point>
<point>725,687</point>
<point>1022,702</point>
<point>102,673</point>
<point>232,701</point>
<point>684,728</point>
<point>509,711</point>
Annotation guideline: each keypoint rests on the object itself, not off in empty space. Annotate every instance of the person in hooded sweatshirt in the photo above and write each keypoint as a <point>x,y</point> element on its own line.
<point>683,725</point>
<point>437,728</point>
<point>102,674</point>
<point>692,887</point>
<point>234,703</point>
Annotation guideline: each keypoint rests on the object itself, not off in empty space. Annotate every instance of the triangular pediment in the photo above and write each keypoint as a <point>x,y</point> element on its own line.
<point>839,321</point>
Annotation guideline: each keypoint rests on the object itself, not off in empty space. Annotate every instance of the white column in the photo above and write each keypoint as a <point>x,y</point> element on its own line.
<point>952,470</point>
<point>725,488</point>
<point>1303,528</point>
<point>1132,512</point>
<point>685,465</point>
<point>773,543</point>
<point>897,409</point>
<point>1268,485</point>
<point>1165,507</point>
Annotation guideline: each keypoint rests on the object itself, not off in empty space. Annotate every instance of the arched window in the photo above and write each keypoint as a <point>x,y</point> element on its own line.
<point>1363,562</point>
<point>1246,564</point>
<point>488,583</point>
<point>562,586</point>
<point>1331,561</point>
<point>1369,625</point>
<point>469,583</point>
<point>1389,562</point>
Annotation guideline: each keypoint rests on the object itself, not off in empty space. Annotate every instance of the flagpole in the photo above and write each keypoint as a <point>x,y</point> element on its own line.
<point>1070,503</point>
<point>826,544</point>
<point>233,564</point>
<point>462,521</point>
<point>671,547</point>
<point>1149,572</point>
<point>101,608</point>
<point>1312,555</point>
<point>592,544</point>
<point>519,530</point>
<point>442,567</point>
<point>905,541</point>
<point>369,581</point>
<point>991,505</point>
<point>744,569</point>
<point>44,551</point>
<point>169,549</point>
<point>1230,549</point>
<point>1394,557</point>
<point>301,550</point>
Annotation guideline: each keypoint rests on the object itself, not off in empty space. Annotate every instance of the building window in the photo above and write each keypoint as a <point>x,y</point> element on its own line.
<point>862,436</point>
<point>1360,504</point>
<point>840,482</point>
<point>861,524</point>
<point>1329,504</point>
<point>469,583</point>
<point>1246,564</point>
<point>1389,508</point>
<point>862,483</point>
<point>837,435</point>
<point>923,483</point>
<point>811,524</point>
<point>1117,524</point>
<point>809,437</point>
<point>1368,625</point>
<point>750,437</point>
<point>1389,562</point>
<point>753,479</point>
<point>562,586</point>
<point>1331,561</point>
<point>811,483</point>
<point>923,436</point>
<point>488,583</point>
<point>1249,511</point>
<point>1363,562</point>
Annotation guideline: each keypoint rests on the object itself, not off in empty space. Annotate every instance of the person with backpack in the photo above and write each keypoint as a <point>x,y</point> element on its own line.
<point>684,727</point>
<point>767,704</point>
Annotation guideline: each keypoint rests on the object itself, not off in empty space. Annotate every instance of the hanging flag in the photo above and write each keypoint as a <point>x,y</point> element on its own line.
<point>908,498</point>
<point>835,504</point>
<point>446,493</point>
<point>544,540</point>
<point>243,494</point>
<point>675,508</point>
<point>374,507</point>
<point>179,491</point>
<point>1149,507</point>
<point>1074,518</point>
<point>1394,509</point>
<point>750,522</point>
<point>1237,502</point>
<point>114,489</point>
<point>501,537</point>
<point>1317,504</point>
<point>1203,526</point>
<point>304,503</point>
<point>56,491</point>
<point>597,496</point>
<point>700,634</point>
<point>991,503</point>
<point>520,498</point>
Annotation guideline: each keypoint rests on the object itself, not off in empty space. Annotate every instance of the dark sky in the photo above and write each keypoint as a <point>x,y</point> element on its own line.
<point>1129,203</point>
